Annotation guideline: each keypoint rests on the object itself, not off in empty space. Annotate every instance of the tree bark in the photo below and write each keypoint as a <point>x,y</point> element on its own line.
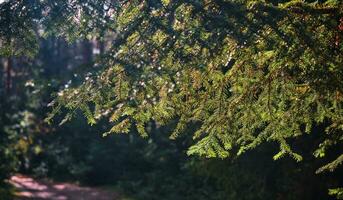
<point>8,84</point>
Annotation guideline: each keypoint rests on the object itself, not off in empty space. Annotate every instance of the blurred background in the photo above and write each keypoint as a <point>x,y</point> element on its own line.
<point>141,168</point>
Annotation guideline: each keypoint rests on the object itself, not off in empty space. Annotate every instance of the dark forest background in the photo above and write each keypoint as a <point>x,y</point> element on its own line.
<point>144,168</point>
<point>42,53</point>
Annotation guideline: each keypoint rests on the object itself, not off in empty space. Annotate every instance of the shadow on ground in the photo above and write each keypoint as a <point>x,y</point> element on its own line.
<point>31,189</point>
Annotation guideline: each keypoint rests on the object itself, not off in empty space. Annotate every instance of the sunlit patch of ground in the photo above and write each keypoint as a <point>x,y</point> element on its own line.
<point>31,189</point>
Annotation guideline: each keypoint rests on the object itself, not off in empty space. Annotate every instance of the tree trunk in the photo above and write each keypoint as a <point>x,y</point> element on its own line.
<point>8,83</point>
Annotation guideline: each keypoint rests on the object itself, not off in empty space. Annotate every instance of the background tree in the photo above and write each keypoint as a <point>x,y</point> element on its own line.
<point>240,73</point>
<point>246,72</point>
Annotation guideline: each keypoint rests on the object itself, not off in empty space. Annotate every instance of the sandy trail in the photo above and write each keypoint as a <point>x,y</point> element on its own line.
<point>31,189</point>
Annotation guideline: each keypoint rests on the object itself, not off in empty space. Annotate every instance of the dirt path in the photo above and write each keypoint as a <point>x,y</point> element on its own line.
<point>31,189</point>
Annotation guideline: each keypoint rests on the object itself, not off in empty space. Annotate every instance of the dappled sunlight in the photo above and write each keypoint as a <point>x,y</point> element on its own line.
<point>171,100</point>
<point>22,182</point>
<point>30,189</point>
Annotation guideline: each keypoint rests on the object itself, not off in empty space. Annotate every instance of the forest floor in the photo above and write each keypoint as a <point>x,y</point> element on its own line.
<point>31,189</point>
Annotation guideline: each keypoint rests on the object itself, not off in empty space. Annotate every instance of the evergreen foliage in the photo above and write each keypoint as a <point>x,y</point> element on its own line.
<point>244,72</point>
<point>247,72</point>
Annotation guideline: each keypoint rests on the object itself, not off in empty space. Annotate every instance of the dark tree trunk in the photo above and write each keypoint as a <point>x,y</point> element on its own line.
<point>87,51</point>
<point>8,83</point>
